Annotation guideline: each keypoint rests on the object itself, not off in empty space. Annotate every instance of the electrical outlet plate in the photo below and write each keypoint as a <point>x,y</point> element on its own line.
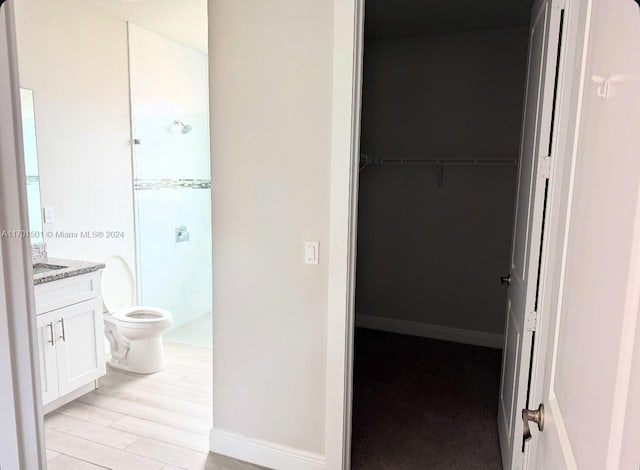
<point>48,215</point>
<point>311,254</point>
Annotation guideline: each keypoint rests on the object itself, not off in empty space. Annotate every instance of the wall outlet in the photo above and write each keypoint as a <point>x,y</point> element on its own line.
<point>49,215</point>
<point>311,254</point>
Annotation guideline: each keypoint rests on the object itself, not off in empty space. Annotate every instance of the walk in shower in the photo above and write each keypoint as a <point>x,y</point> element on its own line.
<point>172,181</point>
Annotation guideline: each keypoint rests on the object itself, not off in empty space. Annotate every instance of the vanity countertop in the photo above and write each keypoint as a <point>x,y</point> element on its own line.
<point>72,268</point>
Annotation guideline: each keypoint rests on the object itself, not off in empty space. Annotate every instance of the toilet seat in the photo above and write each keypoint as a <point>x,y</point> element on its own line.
<point>118,296</point>
<point>137,315</point>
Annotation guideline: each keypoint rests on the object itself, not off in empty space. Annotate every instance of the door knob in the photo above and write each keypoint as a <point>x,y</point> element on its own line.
<point>506,280</point>
<point>535,416</point>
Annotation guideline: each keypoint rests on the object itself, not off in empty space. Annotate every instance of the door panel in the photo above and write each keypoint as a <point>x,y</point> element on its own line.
<point>593,319</point>
<point>509,370</point>
<point>80,329</point>
<point>528,151</point>
<point>47,356</point>
<point>527,233</point>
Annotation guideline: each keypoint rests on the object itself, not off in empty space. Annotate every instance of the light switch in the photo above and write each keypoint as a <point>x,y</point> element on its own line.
<point>311,255</point>
<point>49,215</point>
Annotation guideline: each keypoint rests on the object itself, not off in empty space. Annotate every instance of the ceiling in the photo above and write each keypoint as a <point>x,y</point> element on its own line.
<point>399,18</point>
<point>184,21</point>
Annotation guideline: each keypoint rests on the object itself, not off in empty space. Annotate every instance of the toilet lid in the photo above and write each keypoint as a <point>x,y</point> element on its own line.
<point>118,285</point>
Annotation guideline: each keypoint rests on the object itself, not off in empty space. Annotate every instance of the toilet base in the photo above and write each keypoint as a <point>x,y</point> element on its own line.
<point>145,356</point>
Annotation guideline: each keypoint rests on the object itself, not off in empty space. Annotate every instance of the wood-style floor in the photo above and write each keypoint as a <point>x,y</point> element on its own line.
<point>159,421</point>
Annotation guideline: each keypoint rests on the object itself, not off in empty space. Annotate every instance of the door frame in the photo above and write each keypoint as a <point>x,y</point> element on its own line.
<point>348,49</point>
<point>21,422</point>
<point>553,287</point>
<point>571,84</point>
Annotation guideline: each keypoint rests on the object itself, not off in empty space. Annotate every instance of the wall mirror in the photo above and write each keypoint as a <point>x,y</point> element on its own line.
<point>31,165</point>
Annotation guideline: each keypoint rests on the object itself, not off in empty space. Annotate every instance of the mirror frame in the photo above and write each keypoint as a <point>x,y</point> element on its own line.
<point>36,233</point>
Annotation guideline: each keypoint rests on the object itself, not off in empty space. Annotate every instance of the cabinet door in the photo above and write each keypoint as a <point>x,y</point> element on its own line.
<point>79,344</point>
<point>47,354</point>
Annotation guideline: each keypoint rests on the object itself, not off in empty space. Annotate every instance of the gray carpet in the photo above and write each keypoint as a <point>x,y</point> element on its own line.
<point>424,404</point>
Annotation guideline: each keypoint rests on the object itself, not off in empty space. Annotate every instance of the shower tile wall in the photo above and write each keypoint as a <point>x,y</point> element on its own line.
<point>172,182</point>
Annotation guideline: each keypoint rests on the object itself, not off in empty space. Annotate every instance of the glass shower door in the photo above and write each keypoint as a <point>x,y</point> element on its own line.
<point>172,181</point>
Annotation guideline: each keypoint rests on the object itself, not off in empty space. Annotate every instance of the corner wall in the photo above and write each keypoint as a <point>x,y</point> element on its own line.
<point>429,260</point>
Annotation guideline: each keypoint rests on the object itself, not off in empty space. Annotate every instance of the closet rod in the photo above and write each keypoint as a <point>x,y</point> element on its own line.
<point>366,160</point>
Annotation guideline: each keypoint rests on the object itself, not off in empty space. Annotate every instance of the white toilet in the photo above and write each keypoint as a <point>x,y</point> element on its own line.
<point>134,332</point>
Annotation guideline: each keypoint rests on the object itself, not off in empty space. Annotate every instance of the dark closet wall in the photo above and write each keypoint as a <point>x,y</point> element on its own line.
<point>426,255</point>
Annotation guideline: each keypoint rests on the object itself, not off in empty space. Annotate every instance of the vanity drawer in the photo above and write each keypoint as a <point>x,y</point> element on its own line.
<point>61,293</point>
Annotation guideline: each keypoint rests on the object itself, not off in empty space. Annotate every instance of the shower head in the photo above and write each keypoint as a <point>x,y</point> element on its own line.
<point>186,128</point>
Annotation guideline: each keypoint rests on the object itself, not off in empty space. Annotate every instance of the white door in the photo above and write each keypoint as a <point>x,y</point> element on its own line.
<point>80,351</point>
<point>533,176</point>
<point>47,355</point>
<point>591,419</point>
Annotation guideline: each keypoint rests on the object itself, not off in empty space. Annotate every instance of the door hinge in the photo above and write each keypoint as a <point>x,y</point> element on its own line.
<point>559,4</point>
<point>544,166</point>
<point>530,320</point>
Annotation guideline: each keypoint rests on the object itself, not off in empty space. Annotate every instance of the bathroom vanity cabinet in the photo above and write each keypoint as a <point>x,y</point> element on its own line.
<point>70,337</point>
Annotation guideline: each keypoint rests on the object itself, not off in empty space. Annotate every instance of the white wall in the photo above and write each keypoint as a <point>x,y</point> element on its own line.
<point>75,61</point>
<point>426,255</point>
<point>270,69</point>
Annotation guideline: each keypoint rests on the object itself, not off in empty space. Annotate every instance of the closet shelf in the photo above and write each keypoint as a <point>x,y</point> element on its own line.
<point>366,160</point>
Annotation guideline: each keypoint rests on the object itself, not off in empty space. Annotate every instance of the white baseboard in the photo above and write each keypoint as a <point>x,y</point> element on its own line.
<point>263,453</point>
<point>445,333</point>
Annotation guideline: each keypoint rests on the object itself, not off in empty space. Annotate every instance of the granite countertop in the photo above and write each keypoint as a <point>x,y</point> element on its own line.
<point>73,268</point>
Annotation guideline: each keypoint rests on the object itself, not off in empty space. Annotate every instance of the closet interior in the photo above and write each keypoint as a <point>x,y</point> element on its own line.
<point>442,99</point>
